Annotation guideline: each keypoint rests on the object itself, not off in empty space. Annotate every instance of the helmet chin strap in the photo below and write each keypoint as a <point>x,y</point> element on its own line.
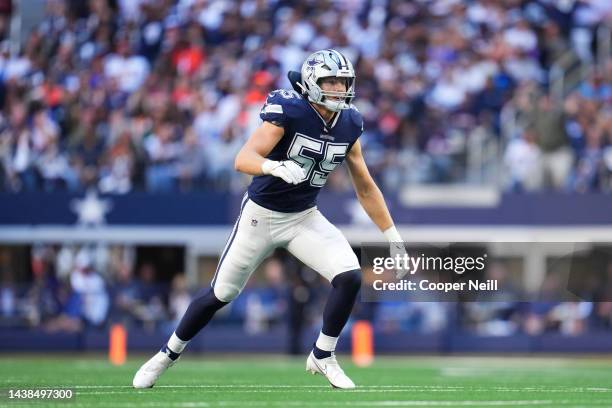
<point>337,107</point>
<point>334,105</point>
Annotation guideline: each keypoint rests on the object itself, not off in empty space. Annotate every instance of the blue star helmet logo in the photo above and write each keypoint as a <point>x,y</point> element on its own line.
<point>312,62</point>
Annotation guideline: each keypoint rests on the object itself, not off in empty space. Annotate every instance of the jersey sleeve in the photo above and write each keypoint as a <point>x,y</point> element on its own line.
<point>279,107</point>
<point>357,119</point>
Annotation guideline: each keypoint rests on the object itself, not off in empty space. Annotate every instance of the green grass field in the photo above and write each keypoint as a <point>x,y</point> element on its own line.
<point>272,381</point>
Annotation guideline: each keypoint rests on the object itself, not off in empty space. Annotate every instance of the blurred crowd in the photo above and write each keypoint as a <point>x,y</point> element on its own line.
<point>80,288</point>
<point>74,288</point>
<point>159,95</point>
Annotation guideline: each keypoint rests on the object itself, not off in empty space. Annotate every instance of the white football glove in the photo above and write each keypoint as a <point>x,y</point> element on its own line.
<point>396,247</point>
<point>288,170</point>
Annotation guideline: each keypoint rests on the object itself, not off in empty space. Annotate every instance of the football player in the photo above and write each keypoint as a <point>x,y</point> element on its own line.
<point>306,133</point>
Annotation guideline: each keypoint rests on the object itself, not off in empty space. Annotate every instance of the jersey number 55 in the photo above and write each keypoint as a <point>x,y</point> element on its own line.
<point>317,158</point>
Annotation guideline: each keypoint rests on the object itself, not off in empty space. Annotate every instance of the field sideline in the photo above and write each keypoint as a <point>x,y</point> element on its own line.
<point>272,381</point>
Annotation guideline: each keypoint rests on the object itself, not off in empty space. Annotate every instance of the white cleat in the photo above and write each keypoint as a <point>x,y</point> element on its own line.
<point>329,368</point>
<point>150,371</point>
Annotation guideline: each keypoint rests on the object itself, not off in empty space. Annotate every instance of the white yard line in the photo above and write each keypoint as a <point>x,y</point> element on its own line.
<point>364,388</point>
<point>386,403</point>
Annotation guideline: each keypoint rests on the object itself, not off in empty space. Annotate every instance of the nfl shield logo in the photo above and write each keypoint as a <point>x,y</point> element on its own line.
<point>253,222</point>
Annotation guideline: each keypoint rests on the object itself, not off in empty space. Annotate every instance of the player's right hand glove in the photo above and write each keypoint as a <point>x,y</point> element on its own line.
<point>288,170</point>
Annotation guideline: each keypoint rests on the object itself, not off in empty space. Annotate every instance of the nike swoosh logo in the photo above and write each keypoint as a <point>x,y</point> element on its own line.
<point>323,370</point>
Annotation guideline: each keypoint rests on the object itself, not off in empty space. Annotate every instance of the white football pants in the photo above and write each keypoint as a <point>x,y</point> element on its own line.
<point>308,235</point>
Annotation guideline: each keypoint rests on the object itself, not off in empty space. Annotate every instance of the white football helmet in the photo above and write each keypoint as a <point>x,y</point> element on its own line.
<point>324,64</point>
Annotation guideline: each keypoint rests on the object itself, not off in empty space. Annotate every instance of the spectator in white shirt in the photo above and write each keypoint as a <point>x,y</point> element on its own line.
<point>128,69</point>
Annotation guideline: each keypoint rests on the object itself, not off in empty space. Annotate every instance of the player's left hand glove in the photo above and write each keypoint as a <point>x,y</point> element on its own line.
<point>396,248</point>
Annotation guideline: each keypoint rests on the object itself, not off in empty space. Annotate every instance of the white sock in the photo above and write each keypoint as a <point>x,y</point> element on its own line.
<point>177,345</point>
<point>326,343</point>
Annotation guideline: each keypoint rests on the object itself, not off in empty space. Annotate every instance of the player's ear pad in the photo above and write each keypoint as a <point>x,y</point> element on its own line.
<point>295,78</point>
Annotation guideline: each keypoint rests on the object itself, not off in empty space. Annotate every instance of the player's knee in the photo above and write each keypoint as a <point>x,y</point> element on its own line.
<point>350,280</point>
<point>226,292</point>
<point>206,297</point>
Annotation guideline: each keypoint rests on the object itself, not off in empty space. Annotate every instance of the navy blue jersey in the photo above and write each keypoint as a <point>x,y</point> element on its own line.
<point>317,147</point>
